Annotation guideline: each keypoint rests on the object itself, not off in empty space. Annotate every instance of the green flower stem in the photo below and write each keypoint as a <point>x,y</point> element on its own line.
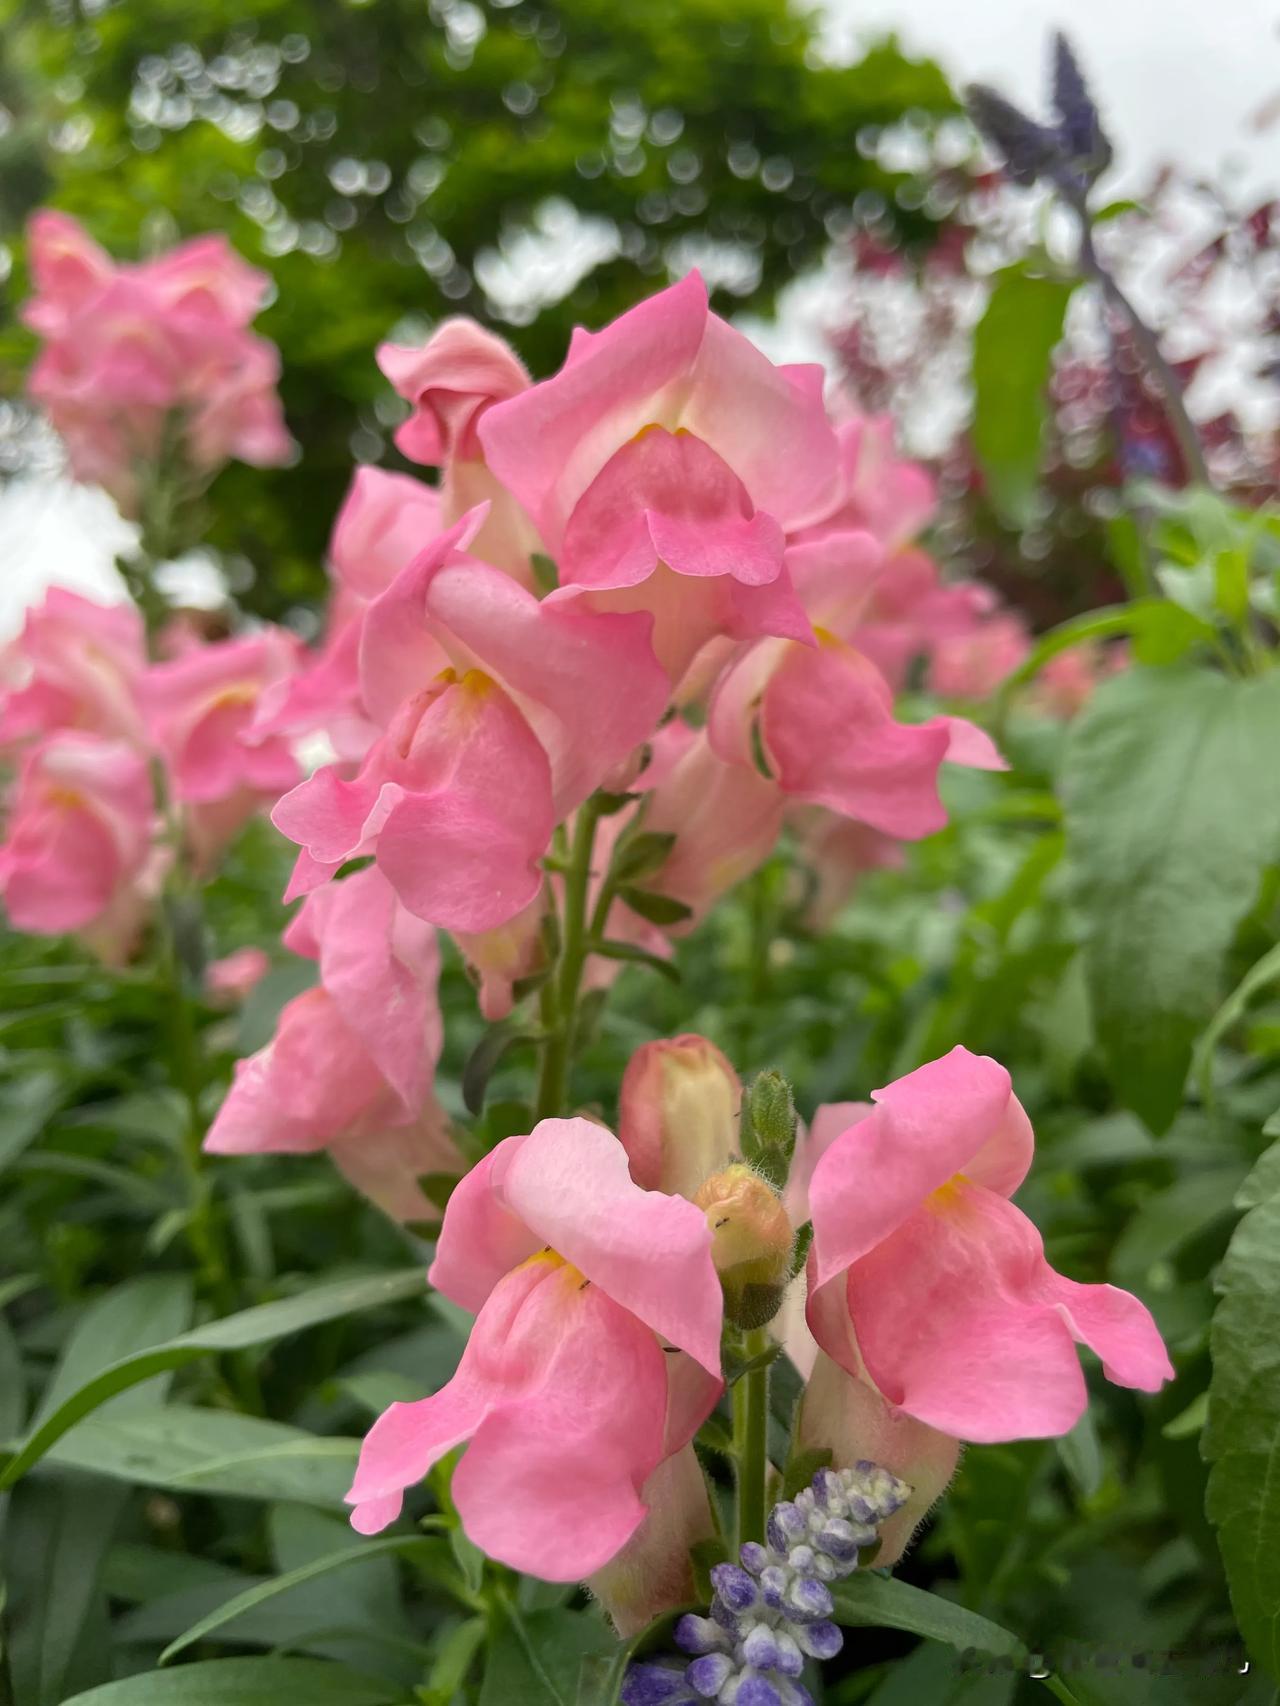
<point>560,994</point>
<point>751,1438</point>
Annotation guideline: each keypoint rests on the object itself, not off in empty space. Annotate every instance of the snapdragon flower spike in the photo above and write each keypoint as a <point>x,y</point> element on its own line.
<point>773,1611</point>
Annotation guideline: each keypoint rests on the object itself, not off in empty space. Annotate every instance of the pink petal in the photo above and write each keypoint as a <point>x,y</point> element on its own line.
<point>954,1115</point>
<point>963,1324</point>
<point>550,442</point>
<point>668,497</point>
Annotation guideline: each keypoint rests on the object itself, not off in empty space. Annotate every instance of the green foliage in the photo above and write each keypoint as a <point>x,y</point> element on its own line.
<point>1012,348</point>
<point>1242,1439</point>
<point>384,161</point>
<point>1173,812</point>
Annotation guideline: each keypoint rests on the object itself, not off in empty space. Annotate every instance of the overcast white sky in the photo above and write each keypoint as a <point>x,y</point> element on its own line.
<point>1180,76</point>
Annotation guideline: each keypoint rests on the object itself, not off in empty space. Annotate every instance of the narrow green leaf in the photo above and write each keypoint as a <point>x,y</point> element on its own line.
<point>358,1552</point>
<point>185,1449</point>
<point>247,1682</point>
<point>628,952</point>
<point>641,855</point>
<point>1012,347</point>
<point>1172,806</point>
<point>1263,972</point>
<point>884,1602</point>
<point>1241,1440</point>
<point>140,1312</point>
<point>497,1042</point>
<point>234,1332</point>
<point>657,908</point>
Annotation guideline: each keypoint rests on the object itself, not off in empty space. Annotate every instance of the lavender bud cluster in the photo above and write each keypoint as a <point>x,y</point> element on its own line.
<point>773,1611</point>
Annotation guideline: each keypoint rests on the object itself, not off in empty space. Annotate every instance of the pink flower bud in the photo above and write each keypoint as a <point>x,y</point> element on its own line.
<point>751,1243</point>
<point>678,1114</point>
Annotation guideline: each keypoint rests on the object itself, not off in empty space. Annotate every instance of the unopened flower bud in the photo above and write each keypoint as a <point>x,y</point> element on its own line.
<point>678,1114</point>
<point>769,1126</point>
<point>751,1243</point>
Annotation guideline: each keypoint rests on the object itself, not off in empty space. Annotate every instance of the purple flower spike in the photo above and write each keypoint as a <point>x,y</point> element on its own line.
<point>707,1676</point>
<point>735,1587</point>
<point>654,1685</point>
<point>822,1640</point>
<point>755,1691</point>
<point>698,1635</point>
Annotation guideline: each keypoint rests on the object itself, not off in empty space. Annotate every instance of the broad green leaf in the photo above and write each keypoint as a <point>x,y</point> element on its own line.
<point>57,1532</point>
<point>185,1449</point>
<point>235,1332</point>
<point>1012,347</point>
<point>886,1603</point>
<point>1172,802</point>
<point>936,1676</point>
<point>247,1682</point>
<point>1242,1436</point>
<point>1169,1219</point>
<point>536,1659</point>
<point>357,1552</point>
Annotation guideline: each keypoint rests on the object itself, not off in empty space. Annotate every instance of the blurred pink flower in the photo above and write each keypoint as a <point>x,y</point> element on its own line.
<point>78,855</point>
<point>200,709</point>
<point>564,1397</point>
<point>76,665</point>
<point>135,354</point>
<point>231,978</point>
<point>351,1065</point>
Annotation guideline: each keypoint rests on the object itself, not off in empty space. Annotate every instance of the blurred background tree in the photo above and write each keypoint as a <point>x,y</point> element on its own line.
<point>535,163</point>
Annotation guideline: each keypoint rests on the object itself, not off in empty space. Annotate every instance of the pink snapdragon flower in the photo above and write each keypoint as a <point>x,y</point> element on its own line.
<point>650,465</point>
<point>76,665</point>
<point>134,354</point>
<point>565,1397</point>
<point>351,1066</point>
<point>451,380</point>
<point>927,1282</point>
<point>384,522</point>
<point>78,855</point>
<point>824,721</point>
<point>502,714</point>
<point>200,708</point>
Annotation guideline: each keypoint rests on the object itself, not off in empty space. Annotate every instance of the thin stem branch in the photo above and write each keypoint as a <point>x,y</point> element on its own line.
<point>751,1439</point>
<point>560,999</point>
<point>1148,346</point>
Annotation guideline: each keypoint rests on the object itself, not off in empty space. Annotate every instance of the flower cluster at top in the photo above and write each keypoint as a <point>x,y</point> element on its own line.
<point>657,606</point>
<point>151,369</point>
<point>774,1612</point>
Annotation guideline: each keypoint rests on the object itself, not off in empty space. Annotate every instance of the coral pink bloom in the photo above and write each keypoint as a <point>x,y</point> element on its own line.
<point>78,664</point>
<point>650,466</point>
<point>350,1067</point>
<point>927,1282</point>
<point>825,723</point>
<point>200,709</point>
<point>564,1397</point>
<point>451,380</point>
<point>535,705</point>
<point>78,853</point>
<point>839,851</point>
